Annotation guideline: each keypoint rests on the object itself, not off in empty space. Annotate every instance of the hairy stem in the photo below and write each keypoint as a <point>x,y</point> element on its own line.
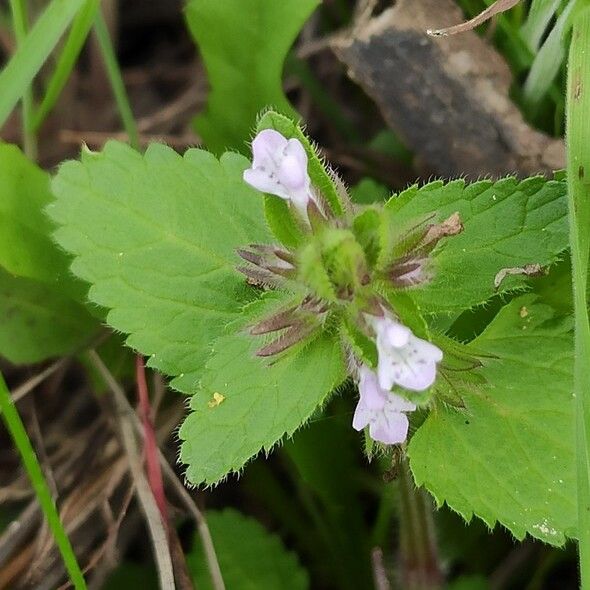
<point>419,562</point>
<point>578,171</point>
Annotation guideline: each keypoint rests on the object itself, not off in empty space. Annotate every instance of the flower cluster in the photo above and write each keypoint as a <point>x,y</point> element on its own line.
<point>404,361</point>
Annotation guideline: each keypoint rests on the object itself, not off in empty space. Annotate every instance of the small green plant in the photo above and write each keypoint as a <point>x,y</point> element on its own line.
<point>439,321</point>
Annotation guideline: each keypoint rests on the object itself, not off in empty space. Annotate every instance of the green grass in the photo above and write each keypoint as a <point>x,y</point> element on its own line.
<point>116,79</point>
<point>578,140</point>
<point>20,24</point>
<point>81,26</point>
<point>18,433</point>
<point>17,76</point>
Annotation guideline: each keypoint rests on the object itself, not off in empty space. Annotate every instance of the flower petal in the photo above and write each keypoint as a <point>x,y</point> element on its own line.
<point>362,417</point>
<point>397,334</point>
<point>267,148</point>
<point>390,428</point>
<point>262,181</point>
<point>371,394</point>
<point>292,175</point>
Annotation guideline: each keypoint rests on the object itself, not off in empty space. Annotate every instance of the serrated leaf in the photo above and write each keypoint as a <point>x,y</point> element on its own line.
<point>156,235</point>
<point>259,403</point>
<point>250,558</point>
<point>507,224</point>
<point>38,322</point>
<point>509,456</point>
<point>244,44</point>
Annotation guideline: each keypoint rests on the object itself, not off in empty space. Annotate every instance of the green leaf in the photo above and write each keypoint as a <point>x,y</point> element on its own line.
<point>38,322</point>
<point>26,248</point>
<point>18,74</point>
<point>327,464</point>
<point>368,191</point>
<point>156,235</point>
<point>40,302</point>
<point>507,224</point>
<point>250,558</point>
<point>244,44</point>
<point>508,457</point>
<point>257,404</point>
<point>474,582</point>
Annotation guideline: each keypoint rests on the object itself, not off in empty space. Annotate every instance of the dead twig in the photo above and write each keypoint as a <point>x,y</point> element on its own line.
<point>146,499</point>
<point>496,8</point>
<point>185,497</point>
<point>30,384</point>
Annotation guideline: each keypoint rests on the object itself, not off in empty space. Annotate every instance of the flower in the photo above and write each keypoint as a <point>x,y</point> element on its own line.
<point>382,410</point>
<point>279,167</point>
<point>404,359</point>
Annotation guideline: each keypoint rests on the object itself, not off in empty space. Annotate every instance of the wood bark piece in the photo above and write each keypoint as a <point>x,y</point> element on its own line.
<point>446,97</point>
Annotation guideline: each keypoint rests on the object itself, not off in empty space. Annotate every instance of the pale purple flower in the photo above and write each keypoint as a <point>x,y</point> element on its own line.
<point>404,359</point>
<point>381,410</point>
<point>279,167</point>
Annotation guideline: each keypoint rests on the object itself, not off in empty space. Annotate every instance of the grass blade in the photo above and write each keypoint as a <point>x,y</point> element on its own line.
<point>67,59</point>
<point>578,172</point>
<point>116,79</point>
<point>23,444</point>
<point>538,19</point>
<point>550,57</point>
<point>32,53</point>
<point>20,22</point>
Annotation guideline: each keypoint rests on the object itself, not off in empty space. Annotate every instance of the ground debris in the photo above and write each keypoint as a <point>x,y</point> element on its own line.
<point>433,90</point>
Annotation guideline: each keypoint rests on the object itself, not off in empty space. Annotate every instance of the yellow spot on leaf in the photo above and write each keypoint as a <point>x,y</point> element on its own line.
<point>524,312</point>
<point>216,400</point>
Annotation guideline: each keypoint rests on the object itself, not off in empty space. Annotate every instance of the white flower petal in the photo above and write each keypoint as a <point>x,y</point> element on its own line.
<point>292,175</point>
<point>262,181</point>
<point>381,410</point>
<point>390,429</point>
<point>279,167</point>
<point>372,395</point>
<point>397,334</point>
<point>267,146</point>
<point>404,359</point>
<point>362,417</point>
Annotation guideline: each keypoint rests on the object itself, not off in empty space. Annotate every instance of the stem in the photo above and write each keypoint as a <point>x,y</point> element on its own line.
<point>116,79</point>
<point>150,448</point>
<point>578,142</point>
<point>20,23</point>
<point>419,563</point>
<point>199,517</point>
<point>145,496</point>
<point>18,433</point>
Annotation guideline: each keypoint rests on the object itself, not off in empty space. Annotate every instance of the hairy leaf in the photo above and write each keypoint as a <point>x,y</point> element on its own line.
<point>507,224</point>
<point>508,457</point>
<point>244,44</point>
<point>245,406</point>
<point>250,558</point>
<point>156,235</point>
